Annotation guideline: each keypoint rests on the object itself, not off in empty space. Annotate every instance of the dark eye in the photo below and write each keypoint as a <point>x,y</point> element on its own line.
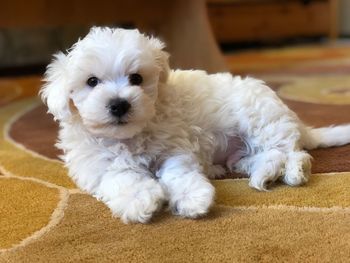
<point>135,79</point>
<point>93,81</point>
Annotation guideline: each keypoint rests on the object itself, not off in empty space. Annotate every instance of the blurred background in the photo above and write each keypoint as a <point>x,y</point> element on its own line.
<point>196,32</point>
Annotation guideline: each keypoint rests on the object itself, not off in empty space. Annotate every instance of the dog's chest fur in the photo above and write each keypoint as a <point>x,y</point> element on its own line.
<point>162,140</point>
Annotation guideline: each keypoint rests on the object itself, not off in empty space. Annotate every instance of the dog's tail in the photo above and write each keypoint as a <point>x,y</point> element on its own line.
<point>327,136</point>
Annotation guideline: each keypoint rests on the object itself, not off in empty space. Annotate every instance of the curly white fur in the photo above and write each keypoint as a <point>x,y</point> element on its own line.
<point>183,127</point>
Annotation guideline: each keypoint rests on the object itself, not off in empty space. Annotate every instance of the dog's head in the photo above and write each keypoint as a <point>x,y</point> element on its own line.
<point>110,79</point>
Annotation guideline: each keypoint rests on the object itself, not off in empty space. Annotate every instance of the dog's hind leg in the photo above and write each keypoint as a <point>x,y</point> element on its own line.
<point>266,166</point>
<point>263,168</point>
<point>298,168</point>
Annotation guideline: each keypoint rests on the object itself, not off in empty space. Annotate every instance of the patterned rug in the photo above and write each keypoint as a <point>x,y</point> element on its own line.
<point>45,218</point>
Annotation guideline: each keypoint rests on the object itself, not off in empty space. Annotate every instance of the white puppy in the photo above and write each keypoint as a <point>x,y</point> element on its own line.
<point>135,134</point>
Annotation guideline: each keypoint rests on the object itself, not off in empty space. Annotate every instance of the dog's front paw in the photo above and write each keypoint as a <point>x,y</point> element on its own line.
<point>137,205</point>
<point>193,202</point>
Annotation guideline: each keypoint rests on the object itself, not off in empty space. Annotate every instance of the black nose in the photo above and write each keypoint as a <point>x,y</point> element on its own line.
<point>119,107</point>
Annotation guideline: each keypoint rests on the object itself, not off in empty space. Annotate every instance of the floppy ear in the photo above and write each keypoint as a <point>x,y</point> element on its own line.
<point>55,92</point>
<point>162,58</point>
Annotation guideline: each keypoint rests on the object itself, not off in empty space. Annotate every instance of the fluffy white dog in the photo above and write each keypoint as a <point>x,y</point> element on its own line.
<point>136,134</point>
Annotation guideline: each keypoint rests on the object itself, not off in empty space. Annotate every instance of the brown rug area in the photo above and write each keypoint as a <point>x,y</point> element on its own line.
<point>44,218</point>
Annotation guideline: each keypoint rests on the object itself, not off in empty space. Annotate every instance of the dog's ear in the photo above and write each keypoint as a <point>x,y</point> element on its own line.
<point>163,62</point>
<point>162,59</point>
<point>55,92</point>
